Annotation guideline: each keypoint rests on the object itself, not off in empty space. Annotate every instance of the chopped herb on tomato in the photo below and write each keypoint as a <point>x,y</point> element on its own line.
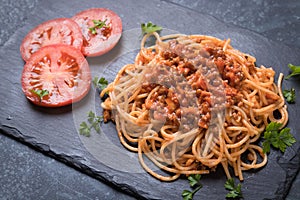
<point>98,24</point>
<point>40,93</point>
<point>95,44</point>
<point>63,85</point>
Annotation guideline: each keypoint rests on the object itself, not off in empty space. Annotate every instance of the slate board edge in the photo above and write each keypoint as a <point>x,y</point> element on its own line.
<point>70,161</point>
<point>291,174</point>
<point>76,163</point>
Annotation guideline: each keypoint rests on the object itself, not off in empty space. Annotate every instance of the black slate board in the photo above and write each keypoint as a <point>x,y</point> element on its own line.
<point>54,131</point>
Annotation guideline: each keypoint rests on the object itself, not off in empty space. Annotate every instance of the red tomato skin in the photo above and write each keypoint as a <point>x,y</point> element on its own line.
<point>98,47</point>
<point>69,97</point>
<point>67,24</point>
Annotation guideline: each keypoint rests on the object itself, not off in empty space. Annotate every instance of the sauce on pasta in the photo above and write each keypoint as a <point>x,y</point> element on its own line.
<point>191,103</point>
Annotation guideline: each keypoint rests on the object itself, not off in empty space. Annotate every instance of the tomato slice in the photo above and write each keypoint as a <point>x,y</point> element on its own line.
<point>56,31</point>
<point>61,70</point>
<point>102,39</point>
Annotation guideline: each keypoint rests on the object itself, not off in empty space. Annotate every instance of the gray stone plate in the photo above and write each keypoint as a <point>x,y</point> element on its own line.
<point>55,131</point>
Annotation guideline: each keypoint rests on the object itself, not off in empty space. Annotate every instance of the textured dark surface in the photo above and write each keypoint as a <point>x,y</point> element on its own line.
<point>26,174</point>
<point>39,176</point>
<point>274,19</point>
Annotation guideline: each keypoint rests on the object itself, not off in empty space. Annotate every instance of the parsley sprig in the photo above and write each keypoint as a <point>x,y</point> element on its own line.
<point>295,70</point>
<point>97,25</point>
<point>195,184</point>
<point>290,95</point>
<point>234,191</point>
<point>100,83</point>
<point>150,28</point>
<point>94,122</point>
<point>40,93</point>
<point>277,138</point>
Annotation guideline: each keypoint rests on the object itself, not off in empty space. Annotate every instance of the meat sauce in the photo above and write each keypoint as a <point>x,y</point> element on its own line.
<point>190,84</point>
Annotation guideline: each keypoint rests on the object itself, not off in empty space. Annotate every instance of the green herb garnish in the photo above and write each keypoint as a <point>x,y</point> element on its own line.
<point>290,95</point>
<point>195,184</point>
<point>277,138</point>
<point>101,83</point>
<point>234,191</point>
<point>295,71</point>
<point>94,122</point>
<point>150,28</point>
<point>97,25</point>
<point>40,93</point>
<point>84,129</point>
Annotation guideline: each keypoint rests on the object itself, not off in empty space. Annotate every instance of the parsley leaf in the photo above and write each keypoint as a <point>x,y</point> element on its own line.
<point>290,95</point>
<point>278,139</point>
<point>96,126</point>
<point>40,93</point>
<point>234,191</point>
<point>84,129</point>
<point>195,184</point>
<point>91,117</point>
<point>295,70</point>
<point>97,25</point>
<point>187,195</point>
<point>94,122</point>
<point>194,179</point>
<point>150,28</point>
<point>101,83</point>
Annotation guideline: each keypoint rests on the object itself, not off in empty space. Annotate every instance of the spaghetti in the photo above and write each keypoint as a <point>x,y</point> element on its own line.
<point>191,103</point>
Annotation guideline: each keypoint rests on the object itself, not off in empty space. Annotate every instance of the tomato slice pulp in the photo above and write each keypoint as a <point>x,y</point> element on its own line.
<point>56,31</point>
<point>61,70</point>
<point>103,38</point>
